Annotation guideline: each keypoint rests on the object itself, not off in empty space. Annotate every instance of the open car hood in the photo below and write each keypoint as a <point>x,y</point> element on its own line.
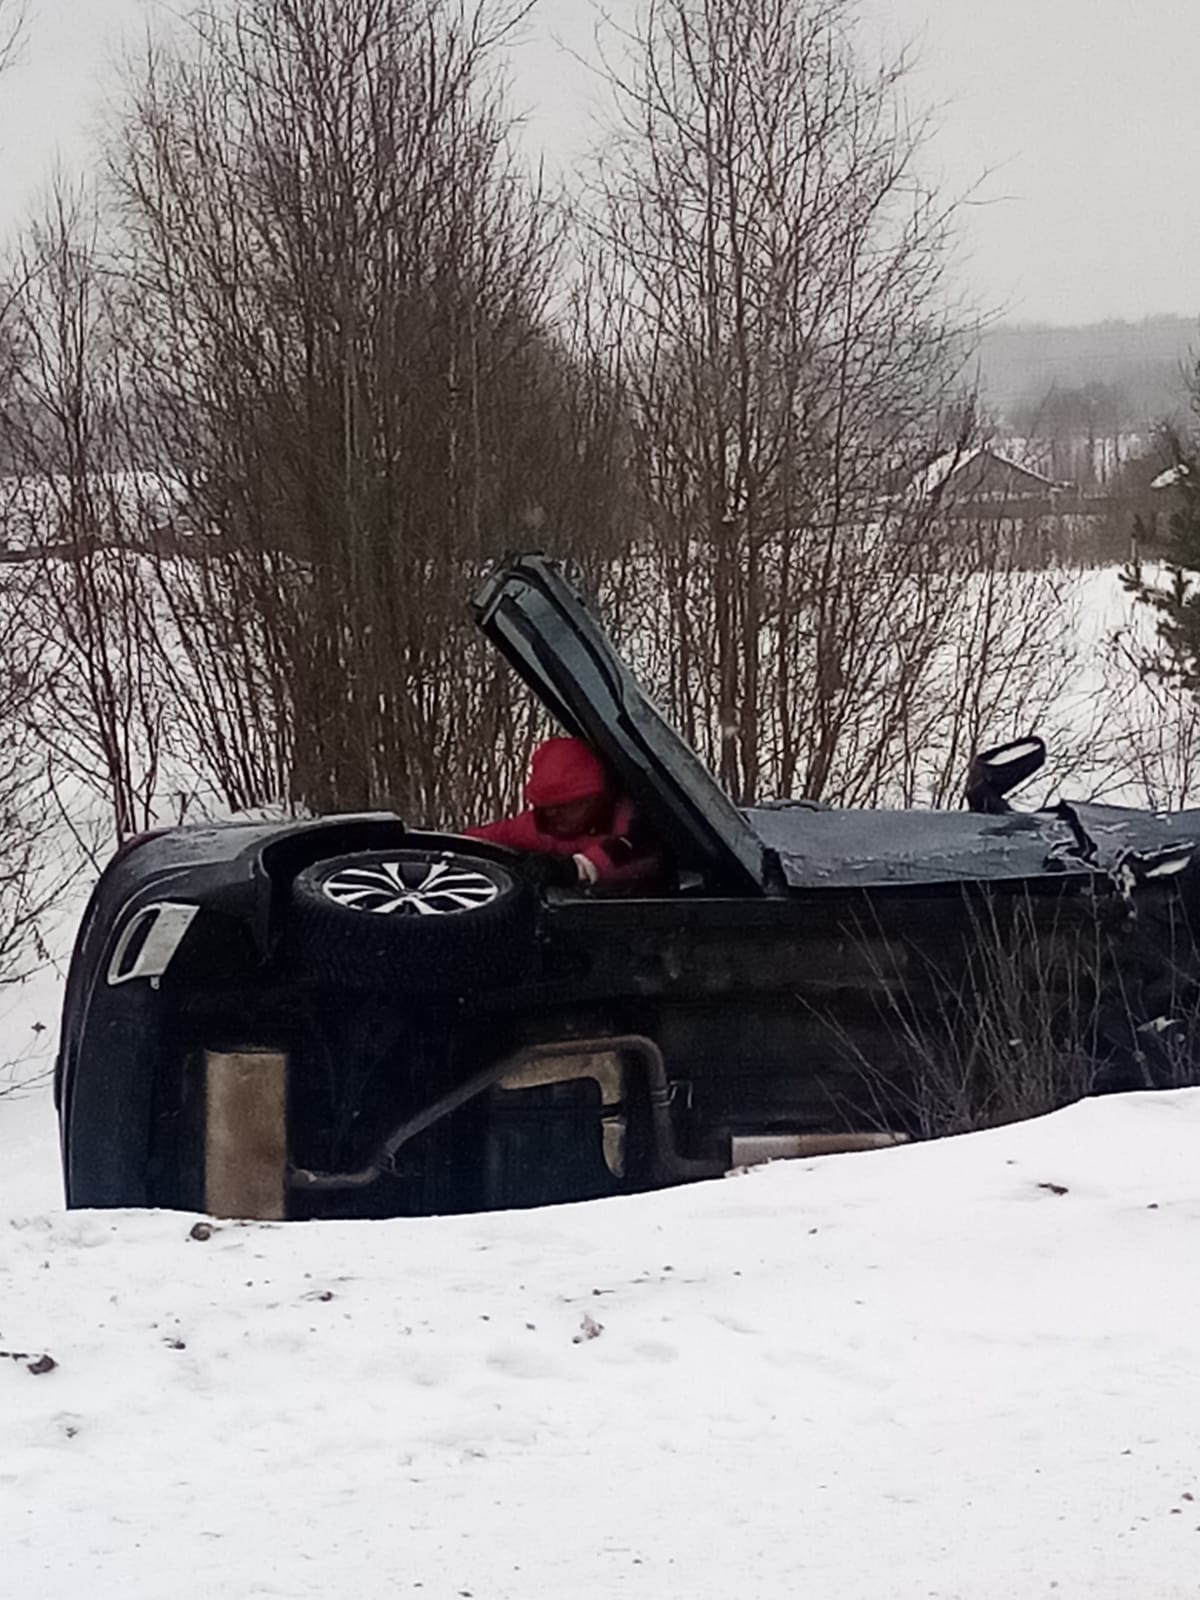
<point>538,622</point>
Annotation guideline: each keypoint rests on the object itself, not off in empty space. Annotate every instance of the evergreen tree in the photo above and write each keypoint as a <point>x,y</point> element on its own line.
<point>1174,539</point>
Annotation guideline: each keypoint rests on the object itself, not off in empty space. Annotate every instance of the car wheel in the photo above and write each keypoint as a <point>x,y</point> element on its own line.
<point>425,921</point>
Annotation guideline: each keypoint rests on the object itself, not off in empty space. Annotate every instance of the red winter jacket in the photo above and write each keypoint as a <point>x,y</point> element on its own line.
<point>615,858</point>
<point>561,771</point>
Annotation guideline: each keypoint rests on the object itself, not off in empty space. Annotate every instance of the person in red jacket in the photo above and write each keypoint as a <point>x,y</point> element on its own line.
<point>575,813</point>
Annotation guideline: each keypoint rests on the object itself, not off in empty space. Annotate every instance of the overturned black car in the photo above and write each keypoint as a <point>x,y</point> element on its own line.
<point>345,1017</point>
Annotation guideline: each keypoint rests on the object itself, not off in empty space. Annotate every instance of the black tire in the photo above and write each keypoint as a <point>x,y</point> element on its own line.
<point>422,922</point>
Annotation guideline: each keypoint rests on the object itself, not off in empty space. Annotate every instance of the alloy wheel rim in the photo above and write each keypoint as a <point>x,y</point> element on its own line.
<point>412,889</point>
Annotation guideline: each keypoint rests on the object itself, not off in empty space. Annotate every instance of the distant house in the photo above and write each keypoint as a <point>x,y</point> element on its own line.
<point>984,481</point>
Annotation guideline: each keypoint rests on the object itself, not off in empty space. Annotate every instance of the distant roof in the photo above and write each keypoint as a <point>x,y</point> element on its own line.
<point>949,465</point>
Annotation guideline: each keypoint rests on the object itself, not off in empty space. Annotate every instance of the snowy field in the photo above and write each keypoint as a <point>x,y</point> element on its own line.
<point>968,1370</point>
<point>962,1370</point>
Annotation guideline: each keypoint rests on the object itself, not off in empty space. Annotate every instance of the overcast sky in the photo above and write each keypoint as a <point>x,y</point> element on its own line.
<point>1083,114</point>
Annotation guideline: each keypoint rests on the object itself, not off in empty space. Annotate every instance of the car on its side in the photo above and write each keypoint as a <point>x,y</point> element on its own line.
<point>349,1017</point>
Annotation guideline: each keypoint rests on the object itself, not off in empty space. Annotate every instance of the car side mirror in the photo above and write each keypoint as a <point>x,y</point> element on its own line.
<point>996,772</point>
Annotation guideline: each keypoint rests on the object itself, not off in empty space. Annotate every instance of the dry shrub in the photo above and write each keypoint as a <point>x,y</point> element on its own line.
<point>1036,1002</point>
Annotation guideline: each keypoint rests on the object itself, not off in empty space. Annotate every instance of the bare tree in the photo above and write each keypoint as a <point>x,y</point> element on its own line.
<point>1075,433</point>
<point>100,713</point>
<point>30,876</point>
<point>345,349</point>
<point>792,365</point>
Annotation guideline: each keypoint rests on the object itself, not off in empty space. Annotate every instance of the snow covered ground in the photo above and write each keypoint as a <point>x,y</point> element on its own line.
<point>968,1369</point>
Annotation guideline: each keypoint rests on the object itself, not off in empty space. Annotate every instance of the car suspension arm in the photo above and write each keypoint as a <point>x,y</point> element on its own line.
<point>670,1166</point>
